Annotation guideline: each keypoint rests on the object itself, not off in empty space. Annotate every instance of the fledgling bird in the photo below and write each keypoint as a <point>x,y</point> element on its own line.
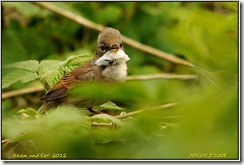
<point>107,66</point>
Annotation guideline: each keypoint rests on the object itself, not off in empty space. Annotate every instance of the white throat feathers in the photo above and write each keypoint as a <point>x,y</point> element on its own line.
<point>114,63</point>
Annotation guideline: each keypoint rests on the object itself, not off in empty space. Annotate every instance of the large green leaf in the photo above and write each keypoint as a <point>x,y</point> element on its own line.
<point>30,65</point>
<point>18,75</point>
<point>51,71</point>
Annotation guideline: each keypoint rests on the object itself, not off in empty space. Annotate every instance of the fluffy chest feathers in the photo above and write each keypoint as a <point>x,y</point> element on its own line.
<point>114,64</point>
<point>115,73</point>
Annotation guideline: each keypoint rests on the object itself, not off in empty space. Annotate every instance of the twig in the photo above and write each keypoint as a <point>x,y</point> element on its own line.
<point>146,109</point>
<point>39,88</point>
<point>164,76</point>
<point>34,146</point>
<point>5,141</point>
<point>9,94</point>
<point>92,25</point>
<point>95,124</point>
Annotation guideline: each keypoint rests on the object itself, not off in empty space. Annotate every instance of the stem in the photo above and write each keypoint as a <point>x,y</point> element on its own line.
<point>146,109</point>
<point>164,76</point>
<point>39,88</point>
<point>23,91</point>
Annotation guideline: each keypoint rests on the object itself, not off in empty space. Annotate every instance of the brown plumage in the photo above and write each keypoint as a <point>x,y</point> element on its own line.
<point>108,65</point>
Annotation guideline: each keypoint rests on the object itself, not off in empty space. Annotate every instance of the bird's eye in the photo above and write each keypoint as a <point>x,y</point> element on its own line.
<point>121,46</point>
<point>104,48</point>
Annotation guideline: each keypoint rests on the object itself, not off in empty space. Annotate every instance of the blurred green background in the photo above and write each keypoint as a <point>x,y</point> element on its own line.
<point>206,121</point>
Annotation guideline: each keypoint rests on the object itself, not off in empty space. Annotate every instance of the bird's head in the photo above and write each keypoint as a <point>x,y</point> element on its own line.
<point>110,50</point>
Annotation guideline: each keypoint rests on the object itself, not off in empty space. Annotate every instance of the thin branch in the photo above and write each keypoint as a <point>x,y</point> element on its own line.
<point>95,124</point>
<point>146,109</point>
<point>5,141</point>
<point>92,25</point>
<point>34,146</point>
<point>23,91</point>
<point>164,76</point>
<point>39,88</point>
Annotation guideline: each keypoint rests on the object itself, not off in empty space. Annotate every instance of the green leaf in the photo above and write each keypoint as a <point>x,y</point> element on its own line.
<point>105,118</point>
<point>76,60</point>
<point>18,75</point>
<point>30,65</point>
<point>51,71</point>
<point>25,71</point>
<point>48,65</point>
<point>108,106</point>
<point>51,78</point>
<point>29,113</point>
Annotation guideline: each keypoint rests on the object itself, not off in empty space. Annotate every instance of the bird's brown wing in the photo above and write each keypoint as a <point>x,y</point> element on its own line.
<point>77,76</point>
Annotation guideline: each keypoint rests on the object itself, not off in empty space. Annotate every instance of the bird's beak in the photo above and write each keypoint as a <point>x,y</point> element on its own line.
<point>114,46</point>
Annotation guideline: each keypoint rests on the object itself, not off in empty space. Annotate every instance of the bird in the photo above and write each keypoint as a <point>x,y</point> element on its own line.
<point>107,66</point>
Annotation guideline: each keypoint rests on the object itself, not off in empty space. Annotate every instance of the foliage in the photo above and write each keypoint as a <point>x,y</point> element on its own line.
<point>204,122</point>
<point>48,71</point>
